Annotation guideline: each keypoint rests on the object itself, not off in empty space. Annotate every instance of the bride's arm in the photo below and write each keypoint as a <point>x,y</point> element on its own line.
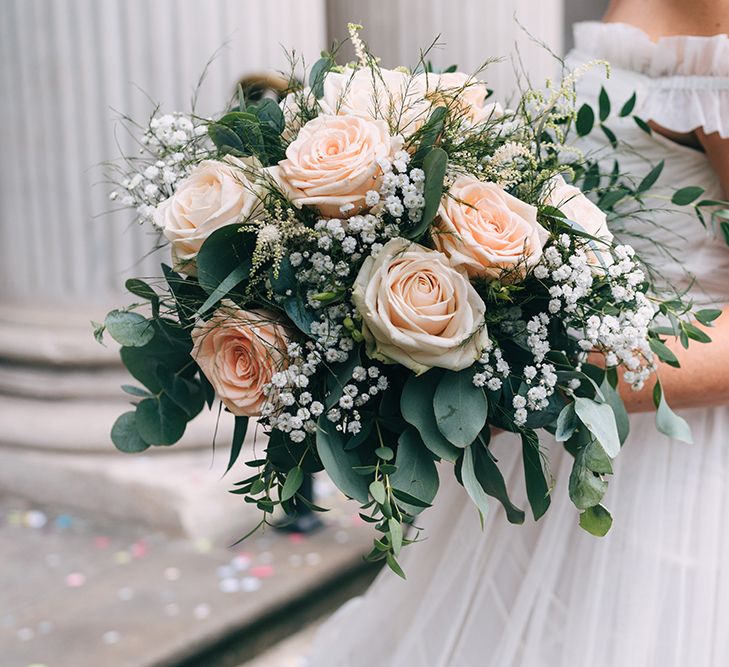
<point>701,381</point>
<point>703,378</point>
<point>717,150</point>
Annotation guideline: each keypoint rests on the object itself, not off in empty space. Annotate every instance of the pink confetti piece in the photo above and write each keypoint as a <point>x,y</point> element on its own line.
<point>262,571</point>
<point>102,542</point>
<point>75,579</point>
<point>139,549</point>
<point>297,538</point>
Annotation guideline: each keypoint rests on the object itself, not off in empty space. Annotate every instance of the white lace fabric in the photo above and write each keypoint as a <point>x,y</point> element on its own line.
<point>688,76</point>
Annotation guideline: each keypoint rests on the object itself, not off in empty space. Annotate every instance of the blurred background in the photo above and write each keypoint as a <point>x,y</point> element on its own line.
<point>117,560</point>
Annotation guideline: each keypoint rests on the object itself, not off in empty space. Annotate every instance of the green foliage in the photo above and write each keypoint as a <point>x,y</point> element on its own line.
<point>318,73</point>
<point>479,466</point>
<point>604,104</point>
<point>129,329</point>
<point>685,196</point>
<point>160,421</point>
<point>650,179</point>
<point>600,421</point>
<point>534,474</point>
<point>294,480</point>
<point>125,435</point>
<point>628,107</point>
<point>667,421</point>
<point>416,473</point>
<point>460,407</point>
<point>585,120</point>
<point>254,131</point>
<point>596,520</point>
<point>586,487</point>
<point>429,134</point>
<point>434,167</point>
<point>339,463</point>
<point>416,406</point>
<point>224,262</point>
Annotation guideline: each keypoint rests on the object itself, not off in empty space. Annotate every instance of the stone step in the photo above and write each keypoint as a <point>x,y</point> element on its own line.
<point>83,594</point>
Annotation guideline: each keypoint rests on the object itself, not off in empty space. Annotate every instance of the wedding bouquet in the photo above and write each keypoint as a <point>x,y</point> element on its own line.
<point>381,270</point>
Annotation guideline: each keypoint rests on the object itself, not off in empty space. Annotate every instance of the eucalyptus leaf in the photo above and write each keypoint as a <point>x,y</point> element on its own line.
<point>302,316</point>
<point>160,421</point>
<point>416,473</point>
<point>586,489</point>
<point>567,422</point>
<point>595,458</point>
<point>339,462</point>
<point>416,406</point>
<point>613,399</point>
<point>492,481</point>
<point>600,421</point>
<point>395,530</point>
<point>395,566</point>
<point>129,329</point>
<point>460,407</point>
<point>667,421</point>
<point>596,520</point>
<point>534,474</point>
<point>377,491</point>
<point>472,485</point>
<point>434,167</point>
<point>227,251</point>
<point>125,435</point>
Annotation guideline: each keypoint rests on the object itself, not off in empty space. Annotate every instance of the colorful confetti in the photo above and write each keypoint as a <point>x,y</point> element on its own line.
<point>75,579</point>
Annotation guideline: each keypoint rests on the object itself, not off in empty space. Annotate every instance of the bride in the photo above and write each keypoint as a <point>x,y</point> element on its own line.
<point>655,591</point>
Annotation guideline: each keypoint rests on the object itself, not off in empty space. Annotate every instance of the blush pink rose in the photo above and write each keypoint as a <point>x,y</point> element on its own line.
<point>215,194</point>
<point>418,310</point>
<point>487,231</point>
<point>580,210</point>
<point>462,93</point>
<point>239,351</point>
<point>334,162</point>
<point>376,94</point>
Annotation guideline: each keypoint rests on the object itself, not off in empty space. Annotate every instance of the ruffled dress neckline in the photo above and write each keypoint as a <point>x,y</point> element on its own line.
<point>684,78</point>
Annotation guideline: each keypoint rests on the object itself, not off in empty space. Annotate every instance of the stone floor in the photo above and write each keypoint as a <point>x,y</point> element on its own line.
<point>77,593</point>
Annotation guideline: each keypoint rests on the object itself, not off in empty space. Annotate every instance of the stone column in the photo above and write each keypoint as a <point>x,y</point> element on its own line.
<point>67,69</point>
<point>469,31</point>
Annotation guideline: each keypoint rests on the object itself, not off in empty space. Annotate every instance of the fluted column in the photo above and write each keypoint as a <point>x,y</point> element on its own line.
<point>68,68</point>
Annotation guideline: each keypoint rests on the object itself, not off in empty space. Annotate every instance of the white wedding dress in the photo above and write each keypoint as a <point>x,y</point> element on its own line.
<point>655,591</point>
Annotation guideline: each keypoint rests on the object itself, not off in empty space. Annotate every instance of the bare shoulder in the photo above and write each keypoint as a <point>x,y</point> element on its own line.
<point>717,150</point>
<point>663,18</point>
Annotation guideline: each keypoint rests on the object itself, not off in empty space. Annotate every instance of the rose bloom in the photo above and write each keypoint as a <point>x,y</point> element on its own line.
<point>333,163</point>
<point>418,310</point>
<point>384,94</point>
<point>239,351</point>
<point>579,209</point>
<point>486,231</point>
<point>462,93</point>
<point>215,194</point>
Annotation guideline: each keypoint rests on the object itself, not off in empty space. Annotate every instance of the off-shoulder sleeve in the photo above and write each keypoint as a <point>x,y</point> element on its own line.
<point>690,84</point>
